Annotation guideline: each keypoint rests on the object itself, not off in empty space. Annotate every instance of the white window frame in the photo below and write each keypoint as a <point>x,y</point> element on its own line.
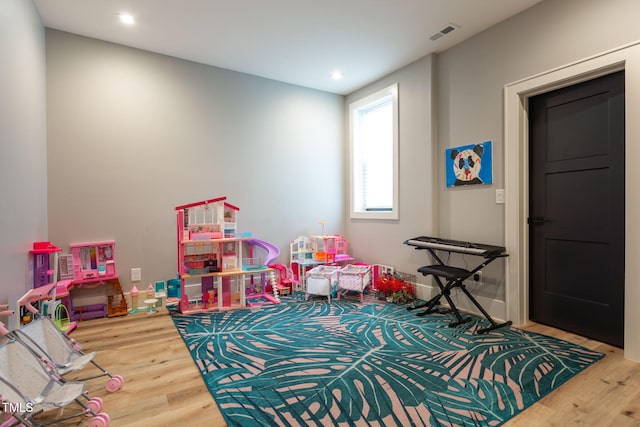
<point>357,208</point>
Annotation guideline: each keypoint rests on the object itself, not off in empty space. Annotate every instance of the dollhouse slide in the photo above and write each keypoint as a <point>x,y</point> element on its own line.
<point>272,251</point>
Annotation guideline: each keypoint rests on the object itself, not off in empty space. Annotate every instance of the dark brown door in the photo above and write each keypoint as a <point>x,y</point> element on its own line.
<point>576,208</point>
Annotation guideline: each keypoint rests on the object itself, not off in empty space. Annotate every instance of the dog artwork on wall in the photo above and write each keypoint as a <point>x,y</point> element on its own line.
<point>469,165</point>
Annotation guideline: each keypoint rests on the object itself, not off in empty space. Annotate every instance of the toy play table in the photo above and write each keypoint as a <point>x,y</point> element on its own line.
<point>151,303</point>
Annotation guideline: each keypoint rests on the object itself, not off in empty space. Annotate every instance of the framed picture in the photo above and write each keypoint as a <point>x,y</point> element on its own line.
<point>469,165</point>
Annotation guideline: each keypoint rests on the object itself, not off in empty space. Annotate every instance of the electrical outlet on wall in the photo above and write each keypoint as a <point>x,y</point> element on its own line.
<point>136,274</point>
<point>477,277</point>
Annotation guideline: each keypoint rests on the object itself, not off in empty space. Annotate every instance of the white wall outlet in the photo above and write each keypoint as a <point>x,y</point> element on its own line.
<point>500,196</point>
<point>136,274</point>
<point>477,277</point>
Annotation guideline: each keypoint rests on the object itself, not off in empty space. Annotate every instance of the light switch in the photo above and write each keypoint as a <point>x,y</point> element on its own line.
<point>500,196</point>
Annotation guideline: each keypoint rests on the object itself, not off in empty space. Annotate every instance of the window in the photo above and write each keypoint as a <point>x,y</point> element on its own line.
<point>374,155</point>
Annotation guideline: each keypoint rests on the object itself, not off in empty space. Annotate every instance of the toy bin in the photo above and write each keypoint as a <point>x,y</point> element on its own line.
<point>354,278</point>
<point>322,280</point>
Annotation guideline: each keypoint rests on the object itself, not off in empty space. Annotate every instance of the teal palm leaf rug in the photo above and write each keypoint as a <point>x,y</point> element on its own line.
<point>375,364</point>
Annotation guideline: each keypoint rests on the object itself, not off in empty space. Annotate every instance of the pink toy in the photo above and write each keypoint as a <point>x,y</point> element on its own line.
<point>45,272</point>
<point>354,278</point>
<point>94,265</point>
<point>30,388</point>
<point>205,299</point>
<point>284,279</point>
<point>210,258</point>
<point>331,248</point>
<point>262,292</point>
<point>33,295</point>
<point>42,272</point>
<point>257,294</point>
<point>308,252</point>
<point>272,252</point>
<point>44,339</point>
<point>134,299</point>
<point>94,260</point>
<point>34,347</point>
<point>5,312</point>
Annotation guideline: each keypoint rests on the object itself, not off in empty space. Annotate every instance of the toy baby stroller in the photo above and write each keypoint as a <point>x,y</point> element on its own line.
<point>45,340</point>
<point>6,336</point>
<point>27,389</point>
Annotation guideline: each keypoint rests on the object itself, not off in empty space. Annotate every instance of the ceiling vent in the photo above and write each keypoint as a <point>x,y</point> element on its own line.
<point>443,32</point>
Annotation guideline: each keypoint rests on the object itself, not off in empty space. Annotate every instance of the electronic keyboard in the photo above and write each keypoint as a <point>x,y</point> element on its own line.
<point>455,276</point>
<point>424,242</point>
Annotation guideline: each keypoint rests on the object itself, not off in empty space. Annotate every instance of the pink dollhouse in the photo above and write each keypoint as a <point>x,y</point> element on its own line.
<point>45,273</point>
<point>42,269</point>
<point>93,260</point>
<point>308,252</point>
<point>212,271</point>
<point>94,266</point>
<point>330,248</point>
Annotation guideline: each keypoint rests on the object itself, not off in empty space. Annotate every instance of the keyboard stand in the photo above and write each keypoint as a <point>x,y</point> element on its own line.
<point>455,278</point>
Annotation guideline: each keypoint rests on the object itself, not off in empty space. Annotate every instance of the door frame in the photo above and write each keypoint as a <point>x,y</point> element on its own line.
<point>516,172</point>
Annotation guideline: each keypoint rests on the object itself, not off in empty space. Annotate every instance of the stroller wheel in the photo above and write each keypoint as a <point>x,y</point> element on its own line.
<point>114,383</point>
<point>95,404</point>
<point>101,420</point>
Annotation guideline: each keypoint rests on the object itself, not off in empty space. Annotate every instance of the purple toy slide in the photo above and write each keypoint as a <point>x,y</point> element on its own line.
<point>272,251</point>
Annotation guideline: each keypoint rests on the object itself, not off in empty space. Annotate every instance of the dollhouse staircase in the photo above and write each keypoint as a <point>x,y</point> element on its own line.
<point>116,302</point>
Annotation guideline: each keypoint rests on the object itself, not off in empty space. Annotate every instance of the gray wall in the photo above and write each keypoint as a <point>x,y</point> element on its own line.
<point>472,77</point>
<point>471,80</point>
<point>380,241</point>
<point>133,134</point>
<point>23,166</point>
<point>468,87</point>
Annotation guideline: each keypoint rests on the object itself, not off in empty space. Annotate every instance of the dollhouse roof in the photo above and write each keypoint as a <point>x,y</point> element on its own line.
<point>44,248</point>
<point>204,202</point>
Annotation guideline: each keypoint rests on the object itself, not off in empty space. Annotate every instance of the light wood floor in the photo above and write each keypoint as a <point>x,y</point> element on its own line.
<point>164,388</point>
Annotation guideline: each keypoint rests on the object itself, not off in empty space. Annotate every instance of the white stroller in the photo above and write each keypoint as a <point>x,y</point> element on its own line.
<point>27,389</point>
<point>43,338</point>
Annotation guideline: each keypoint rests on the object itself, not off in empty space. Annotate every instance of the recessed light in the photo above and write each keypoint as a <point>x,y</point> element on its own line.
<point>125,18</point>
<point>336,75</point>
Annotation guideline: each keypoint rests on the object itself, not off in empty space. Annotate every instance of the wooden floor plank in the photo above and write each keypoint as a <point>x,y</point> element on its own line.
<point>164,388</point>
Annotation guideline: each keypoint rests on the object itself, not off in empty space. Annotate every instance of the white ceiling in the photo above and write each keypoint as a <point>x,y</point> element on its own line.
<point>294,41</point>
